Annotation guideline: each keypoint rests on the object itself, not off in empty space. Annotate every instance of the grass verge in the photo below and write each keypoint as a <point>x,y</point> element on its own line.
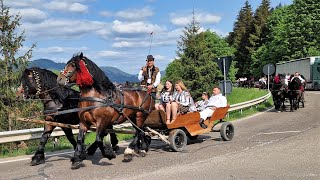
<point>30,147</point>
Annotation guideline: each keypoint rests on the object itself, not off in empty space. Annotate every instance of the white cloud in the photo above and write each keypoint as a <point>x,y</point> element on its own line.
<point>110,54</point>
<point>130,14</point>
<point>77,7</point>
<point>66,6</point>
<point>134,27</point>
<point>202,18</point>
<point>21,3</point>
<point>59,49</point>
<point>64,29</point>
<point>105,13</point>
<point>161,38</point>
<point>159,57</point>
<point>30,14</point>
<point>135,14</point>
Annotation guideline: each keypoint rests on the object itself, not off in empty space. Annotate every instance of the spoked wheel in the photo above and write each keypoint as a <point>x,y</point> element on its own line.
<point>177,139</point>
<point>226,131</point>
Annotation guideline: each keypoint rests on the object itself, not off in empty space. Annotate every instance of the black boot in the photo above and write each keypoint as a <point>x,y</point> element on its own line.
<point>202,124</point>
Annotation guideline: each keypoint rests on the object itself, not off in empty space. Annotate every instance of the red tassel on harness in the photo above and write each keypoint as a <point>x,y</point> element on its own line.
<point>277,79</point>
<point>84,77</point>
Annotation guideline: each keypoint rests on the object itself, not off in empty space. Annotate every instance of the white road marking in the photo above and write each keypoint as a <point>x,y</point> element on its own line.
<point>281,132</point>
<point>23,159</point>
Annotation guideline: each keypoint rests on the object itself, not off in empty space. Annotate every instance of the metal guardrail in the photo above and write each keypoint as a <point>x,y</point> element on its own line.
<point>29,134</point>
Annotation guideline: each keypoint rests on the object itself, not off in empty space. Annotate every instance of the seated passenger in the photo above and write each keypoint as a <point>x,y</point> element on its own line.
<point>216,100</point>
<point>165,98</point>
<point>201,105</point>
<point>181,101</point>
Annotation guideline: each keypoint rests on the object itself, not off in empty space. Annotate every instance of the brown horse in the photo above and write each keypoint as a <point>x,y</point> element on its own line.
<point>41,84</point>
<point>107,106</point>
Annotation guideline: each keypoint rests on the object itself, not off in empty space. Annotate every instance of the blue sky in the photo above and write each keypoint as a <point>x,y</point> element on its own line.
<point>117,32</point>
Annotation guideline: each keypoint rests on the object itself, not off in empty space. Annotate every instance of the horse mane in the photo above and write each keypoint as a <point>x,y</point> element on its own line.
<point>48,81</point>
<point>101,82</point>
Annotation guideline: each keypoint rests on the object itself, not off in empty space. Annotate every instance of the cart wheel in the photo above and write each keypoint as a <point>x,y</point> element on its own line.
<point>226,131</point>
<point>177,139</point>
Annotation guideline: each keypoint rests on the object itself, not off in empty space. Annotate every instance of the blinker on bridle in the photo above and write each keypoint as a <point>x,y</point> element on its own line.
<point>68,74</point>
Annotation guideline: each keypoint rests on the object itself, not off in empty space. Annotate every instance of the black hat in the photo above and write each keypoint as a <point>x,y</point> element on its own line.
<point>150,57</point>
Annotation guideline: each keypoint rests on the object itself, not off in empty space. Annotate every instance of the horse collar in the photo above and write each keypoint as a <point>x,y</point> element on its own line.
<point>37,78</point>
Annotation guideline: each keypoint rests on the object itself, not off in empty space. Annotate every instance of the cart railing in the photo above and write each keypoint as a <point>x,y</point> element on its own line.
<point>35,133</point>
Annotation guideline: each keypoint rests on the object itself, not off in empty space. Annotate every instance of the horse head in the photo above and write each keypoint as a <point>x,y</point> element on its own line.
<point>37,83</point>
<point>84,73</point>
<point>30,86</point>
<point>295,84</point>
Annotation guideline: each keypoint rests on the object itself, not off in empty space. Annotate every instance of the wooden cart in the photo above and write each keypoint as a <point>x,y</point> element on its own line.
<point>187,126</point>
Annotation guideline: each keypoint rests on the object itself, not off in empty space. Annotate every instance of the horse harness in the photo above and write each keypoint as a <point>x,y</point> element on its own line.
<point>110,101</point>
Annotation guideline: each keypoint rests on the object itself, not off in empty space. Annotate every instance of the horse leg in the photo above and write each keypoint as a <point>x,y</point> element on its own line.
<point>291,104</point>
<point>128,153</point>
<point>38,157</point>
<point>106,150</point>
<point>144,144</point>
<point>114,142</point>
<point>79,153</point>
<point>143,140</point>
<point>69,134</point>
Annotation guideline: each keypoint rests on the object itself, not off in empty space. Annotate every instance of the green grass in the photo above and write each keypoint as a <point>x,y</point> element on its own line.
<point>234,115</point>
<point>238,95</point>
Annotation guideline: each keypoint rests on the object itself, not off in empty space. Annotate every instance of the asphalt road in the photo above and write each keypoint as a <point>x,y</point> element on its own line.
<point>269,145</point>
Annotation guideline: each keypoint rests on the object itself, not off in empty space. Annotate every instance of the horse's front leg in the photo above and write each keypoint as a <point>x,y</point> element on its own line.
<point>79,153</point>
<point>106,150</point>
<point>291,104</point>
<point>143,140</point>
<point>130,151</point>
<point>69,134</point>
<point>38,157</point>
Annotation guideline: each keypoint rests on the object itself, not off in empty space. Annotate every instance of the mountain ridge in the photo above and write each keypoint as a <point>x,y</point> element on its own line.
<point>114,74</point>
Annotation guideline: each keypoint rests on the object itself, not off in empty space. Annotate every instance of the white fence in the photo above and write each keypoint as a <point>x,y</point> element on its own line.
<point>29,134</point>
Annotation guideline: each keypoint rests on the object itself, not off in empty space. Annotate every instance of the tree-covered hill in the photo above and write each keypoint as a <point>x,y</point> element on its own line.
<point>114,74</point>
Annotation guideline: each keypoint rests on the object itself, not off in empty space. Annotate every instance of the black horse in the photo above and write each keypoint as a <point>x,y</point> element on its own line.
<point>279,92</point>
<point>37,83</point>
<point>294,93</point>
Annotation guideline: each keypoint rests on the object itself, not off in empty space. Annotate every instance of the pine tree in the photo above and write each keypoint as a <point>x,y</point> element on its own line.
<point>11,64</point>
<point>239,39</point>
<point>259,30</point>
<point>195,65</point>
<point>304,30</point>
<point>259,33</point>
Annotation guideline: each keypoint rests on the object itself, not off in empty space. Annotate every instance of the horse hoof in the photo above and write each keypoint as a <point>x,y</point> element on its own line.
<point>37,162</point>
<point>77,165</point>
<point>142,153</point>
<point>37,159</point>
<point>127,158</point>
<point>111,156</point>
<point>116,148</point>
<point>90,152</point>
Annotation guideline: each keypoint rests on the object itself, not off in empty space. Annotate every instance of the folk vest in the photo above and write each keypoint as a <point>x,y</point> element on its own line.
<point>146,75</point>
